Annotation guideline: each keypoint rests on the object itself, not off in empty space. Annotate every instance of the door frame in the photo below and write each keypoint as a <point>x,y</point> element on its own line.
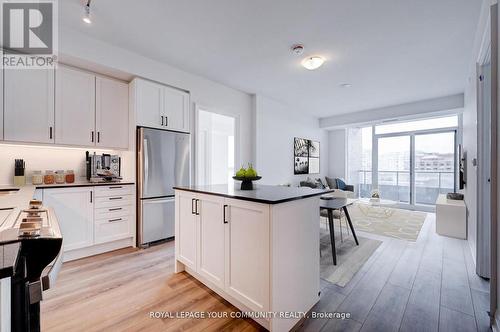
<point>201,107</point>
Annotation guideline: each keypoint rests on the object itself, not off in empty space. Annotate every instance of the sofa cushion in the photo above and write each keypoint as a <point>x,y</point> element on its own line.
<point>340,184</point>
<point>331,182</point>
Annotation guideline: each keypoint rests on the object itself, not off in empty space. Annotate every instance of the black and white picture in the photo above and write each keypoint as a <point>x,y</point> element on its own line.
<point>301,165</point>
<point>306,156</point>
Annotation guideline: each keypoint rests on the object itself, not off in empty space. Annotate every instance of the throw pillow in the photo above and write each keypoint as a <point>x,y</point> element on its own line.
<point>340,184</point>
<point>320,183</point>
<point>331,182</point>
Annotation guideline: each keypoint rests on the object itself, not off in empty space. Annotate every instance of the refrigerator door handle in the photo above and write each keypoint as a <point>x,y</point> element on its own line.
<point>146,164</point>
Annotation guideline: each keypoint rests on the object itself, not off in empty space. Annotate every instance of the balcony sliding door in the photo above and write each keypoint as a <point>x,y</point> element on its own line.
<point>394,168</point>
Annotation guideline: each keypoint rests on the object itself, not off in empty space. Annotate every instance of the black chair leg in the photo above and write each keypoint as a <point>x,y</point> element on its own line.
<point>332,236</point>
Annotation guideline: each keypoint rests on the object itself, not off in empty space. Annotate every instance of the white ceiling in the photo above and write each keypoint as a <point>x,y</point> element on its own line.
<point>391,51</point>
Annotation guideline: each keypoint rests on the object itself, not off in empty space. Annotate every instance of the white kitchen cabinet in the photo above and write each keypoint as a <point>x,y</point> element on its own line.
<point>160,106</point>
<point>74,208</point>
<point>211,238</point>
<point>247,254</point>
<point>29,105</point>
<point>112,115</point>
<point>187,232</point>
<point>148,98</point>
<point>176,109</point>
<point>75,107</point>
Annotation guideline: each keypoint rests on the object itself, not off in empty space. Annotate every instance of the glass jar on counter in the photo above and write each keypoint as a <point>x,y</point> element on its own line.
<point>49,177</point>
<point>70,176</point>
<point>60,177</point>
<point>37,177</point>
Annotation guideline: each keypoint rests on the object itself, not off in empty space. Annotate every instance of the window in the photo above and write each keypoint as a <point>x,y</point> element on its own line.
<point>436,123</point>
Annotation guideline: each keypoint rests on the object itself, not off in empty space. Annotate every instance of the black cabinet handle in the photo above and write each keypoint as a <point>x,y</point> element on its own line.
<point>90,197</point>
<point>116,187</point>
<point>197,205</point>
<point>115,209</point>
<point>224,217</point>
<point>92,136</point>
<point>98,137</point>
<point>162,120</point>
<point>114,198</point>
<point>117,219</point>
<point>166,120</point>
<point>193,211</point>
<point>50,132</point>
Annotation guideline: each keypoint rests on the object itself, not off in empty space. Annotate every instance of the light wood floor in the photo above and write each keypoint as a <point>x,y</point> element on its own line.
<point>429,285</point>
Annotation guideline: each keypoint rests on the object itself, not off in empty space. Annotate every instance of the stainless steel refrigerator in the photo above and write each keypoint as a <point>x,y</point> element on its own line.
<point>163,161</point>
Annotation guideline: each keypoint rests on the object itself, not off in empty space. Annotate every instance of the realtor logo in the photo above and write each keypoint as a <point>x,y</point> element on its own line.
<point>29,34</point>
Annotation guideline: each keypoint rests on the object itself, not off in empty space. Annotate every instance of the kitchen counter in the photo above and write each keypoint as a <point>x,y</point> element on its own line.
<point>83,183</point>
<point>261,194</point>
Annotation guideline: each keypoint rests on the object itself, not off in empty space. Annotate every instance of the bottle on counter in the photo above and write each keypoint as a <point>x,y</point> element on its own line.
<point>70,176</point>
<point>60,177</point>
<point>37,177</point>
<point>49,177</point>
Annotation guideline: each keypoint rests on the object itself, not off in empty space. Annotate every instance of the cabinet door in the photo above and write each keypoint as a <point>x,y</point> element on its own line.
<point>211,239</point>
<point>111,113</point>
<point>186,232</point>
<point>148,103</point>
<point>75,107</point>
<point>74,210</point>
<point>247,253</point>
<point>176,109</point>
<point>29,105</point>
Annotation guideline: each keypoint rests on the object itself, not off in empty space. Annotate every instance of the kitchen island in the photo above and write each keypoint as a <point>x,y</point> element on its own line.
<point>258,249</point>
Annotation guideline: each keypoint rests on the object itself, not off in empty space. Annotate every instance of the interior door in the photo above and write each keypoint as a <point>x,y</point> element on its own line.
<point>112,116</point>
<point>29,105</point>
<point>158,219</point>
<point>75,107</point>
<point>247,253</point>
<point>211,238</point>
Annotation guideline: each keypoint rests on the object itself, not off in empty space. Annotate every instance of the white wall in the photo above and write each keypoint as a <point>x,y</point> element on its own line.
<point>275,128</point>
<point>74,45</point>
<point>337,153</point>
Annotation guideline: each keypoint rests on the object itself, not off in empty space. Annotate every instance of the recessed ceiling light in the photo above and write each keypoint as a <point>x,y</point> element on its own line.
<point>86,16</point>
<point>346,85</point>
<point>313,62</point>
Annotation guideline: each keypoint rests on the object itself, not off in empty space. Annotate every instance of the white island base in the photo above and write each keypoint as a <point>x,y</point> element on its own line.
<point>262,258</point>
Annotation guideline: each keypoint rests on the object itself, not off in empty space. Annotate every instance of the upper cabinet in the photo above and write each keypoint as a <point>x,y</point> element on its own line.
<point>29,105</point>
<point>160,106</point>
<point>75,107</point>
<point>67,106</point>
<point>112,114</point>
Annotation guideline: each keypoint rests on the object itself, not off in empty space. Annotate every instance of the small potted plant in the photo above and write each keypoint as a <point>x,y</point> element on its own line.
<point>375,197</point>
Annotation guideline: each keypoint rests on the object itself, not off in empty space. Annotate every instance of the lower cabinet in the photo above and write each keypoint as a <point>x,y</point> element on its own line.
<point>93,219</point>
<point>74,208</point>
<point>216,237</point>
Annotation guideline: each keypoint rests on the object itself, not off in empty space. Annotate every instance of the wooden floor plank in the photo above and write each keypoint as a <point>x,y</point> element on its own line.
<point>454,321</point>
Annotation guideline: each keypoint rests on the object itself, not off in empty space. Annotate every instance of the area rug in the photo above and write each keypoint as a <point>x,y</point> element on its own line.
<point>350,257</point>
<point>396,223</point>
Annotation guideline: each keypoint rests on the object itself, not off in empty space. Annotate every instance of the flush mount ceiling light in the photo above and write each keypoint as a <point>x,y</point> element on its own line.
<point>313,62</point>
<point>86,16</point>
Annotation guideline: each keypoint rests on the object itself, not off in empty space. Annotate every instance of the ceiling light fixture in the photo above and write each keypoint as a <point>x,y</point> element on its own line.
<point>346,85</point>
<point>313,62</point>
<point>86,17</point>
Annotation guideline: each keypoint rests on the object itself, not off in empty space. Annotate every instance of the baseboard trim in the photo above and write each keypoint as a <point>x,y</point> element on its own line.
<point>97,249</point>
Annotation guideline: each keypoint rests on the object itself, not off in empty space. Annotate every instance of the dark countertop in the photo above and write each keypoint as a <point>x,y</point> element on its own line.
<point>261,193</point>
<point>8,259</point>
